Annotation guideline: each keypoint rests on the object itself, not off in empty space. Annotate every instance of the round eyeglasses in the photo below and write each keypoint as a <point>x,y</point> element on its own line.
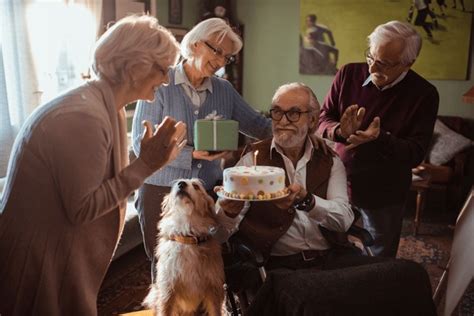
<point>291,115</point>
<point>229,59</point>
<point>383,66</point>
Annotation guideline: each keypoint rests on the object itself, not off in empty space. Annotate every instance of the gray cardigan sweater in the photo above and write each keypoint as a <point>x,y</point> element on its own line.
<point>172,101</point>
<point>62,210</point>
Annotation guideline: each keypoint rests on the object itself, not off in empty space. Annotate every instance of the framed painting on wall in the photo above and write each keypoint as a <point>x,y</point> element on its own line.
<point>334,33</point>
<point>175,11</point>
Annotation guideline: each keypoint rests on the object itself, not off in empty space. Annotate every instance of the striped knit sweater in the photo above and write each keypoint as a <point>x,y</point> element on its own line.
<point>172,101</point>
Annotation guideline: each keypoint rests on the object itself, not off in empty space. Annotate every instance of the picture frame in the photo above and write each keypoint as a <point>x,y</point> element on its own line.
<point>445,55</point>
<point>175,11</point>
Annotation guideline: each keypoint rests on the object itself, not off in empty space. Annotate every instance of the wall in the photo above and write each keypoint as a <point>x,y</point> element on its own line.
<point>271,53</point>
<point>271,57</point>
<point>190,13</point>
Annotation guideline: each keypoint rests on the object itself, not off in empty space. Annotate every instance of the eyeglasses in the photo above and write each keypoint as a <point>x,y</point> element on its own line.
<point>291,115</point>
<point>383,66</point>
<point>163,71</point>
<point>229,59</point>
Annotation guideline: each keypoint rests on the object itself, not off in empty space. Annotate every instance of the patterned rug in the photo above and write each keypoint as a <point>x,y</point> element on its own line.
<point>431,249</point>
<point>127,281</point>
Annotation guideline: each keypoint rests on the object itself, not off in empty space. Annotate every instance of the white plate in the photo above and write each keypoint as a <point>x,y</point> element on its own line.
<point>221,194</point>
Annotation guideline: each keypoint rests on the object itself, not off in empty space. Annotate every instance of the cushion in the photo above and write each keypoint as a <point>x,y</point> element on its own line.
<point>446,144</point>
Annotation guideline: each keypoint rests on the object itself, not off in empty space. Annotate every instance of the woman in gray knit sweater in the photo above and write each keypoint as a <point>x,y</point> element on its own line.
<point>63,207</point>
<point>193,93</point>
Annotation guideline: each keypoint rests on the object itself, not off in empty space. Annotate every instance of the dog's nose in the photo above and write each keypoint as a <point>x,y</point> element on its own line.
<point>182,185</point>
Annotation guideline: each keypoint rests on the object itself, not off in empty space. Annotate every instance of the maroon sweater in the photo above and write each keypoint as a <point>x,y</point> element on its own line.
<point>379,172</point>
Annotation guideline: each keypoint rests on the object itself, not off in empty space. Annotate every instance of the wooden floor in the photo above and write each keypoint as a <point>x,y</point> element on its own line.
<point>126,284</point>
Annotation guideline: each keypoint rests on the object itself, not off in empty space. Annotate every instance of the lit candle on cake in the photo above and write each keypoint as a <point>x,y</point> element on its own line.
<point>255,153</point>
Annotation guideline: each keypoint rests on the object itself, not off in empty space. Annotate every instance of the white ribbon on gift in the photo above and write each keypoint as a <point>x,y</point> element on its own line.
<point>214,117</point>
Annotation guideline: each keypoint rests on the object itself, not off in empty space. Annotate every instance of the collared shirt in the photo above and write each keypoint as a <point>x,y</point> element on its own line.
<point>400,78</point>
<point>334,212</point>
<point>197,95</point>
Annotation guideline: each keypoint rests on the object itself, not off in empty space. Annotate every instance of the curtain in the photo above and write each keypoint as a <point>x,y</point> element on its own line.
<point>18,86</point>
<point>62,36</point>
<point>45,49</point>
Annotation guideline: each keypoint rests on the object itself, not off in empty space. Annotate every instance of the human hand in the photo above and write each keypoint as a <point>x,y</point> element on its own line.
<point>351,120</point>
<point>361,137</point>
<point>231,208</point>
<point>200,154</point>
<point>319,143</point>
<point>159,148</point>
<point>295,193</point>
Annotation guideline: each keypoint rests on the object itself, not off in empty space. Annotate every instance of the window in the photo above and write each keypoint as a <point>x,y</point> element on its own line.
<point>45,47</point>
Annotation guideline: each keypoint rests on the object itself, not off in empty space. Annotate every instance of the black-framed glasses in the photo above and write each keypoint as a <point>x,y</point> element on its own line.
<point>291,115</point>
<point>383,66</point>
<point>229,59</point>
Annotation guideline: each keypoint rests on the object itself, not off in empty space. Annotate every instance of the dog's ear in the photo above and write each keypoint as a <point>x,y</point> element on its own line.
<point>166,204</point>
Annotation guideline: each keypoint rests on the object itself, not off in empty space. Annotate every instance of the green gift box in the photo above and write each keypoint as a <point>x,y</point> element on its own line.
<point>216,134</point>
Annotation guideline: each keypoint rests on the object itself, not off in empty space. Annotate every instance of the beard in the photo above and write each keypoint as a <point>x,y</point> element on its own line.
<point>288,139</point>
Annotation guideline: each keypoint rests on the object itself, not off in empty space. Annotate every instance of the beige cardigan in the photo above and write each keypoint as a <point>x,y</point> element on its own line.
<point>62,210</point>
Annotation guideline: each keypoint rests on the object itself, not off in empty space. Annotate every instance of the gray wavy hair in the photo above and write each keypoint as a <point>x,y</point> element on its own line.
<point>136,42</point>
<point>394,30</point>
<point>205,30</point>
<point>313,100</point>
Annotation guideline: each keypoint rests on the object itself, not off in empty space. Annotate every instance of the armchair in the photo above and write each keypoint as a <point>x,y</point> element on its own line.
<point>453,178</point>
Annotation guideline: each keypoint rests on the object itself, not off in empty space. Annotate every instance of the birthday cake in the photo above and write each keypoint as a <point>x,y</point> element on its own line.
<point>254,183</point>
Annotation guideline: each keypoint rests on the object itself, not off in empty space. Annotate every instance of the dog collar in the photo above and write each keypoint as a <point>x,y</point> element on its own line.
<point>190,240</point>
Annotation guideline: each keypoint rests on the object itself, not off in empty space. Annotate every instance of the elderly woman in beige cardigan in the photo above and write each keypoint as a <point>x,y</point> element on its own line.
<point>62,209</point>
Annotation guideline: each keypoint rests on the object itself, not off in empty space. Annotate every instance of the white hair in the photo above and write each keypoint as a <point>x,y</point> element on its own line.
<point>136,42</point>
<point>207,29</point>
<point>313,103</point>
<point>396,30</point>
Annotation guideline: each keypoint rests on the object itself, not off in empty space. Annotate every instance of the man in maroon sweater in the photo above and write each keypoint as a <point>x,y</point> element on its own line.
<point>381,115</point>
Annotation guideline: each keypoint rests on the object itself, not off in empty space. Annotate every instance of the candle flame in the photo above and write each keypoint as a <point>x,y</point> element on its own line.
<point>255,153</point>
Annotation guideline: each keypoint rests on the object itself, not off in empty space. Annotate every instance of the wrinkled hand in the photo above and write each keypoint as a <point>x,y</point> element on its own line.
<point>200,154</point>
<point>319,142</point>
<point>296,193</point>
<point>351,120</point>
<point>362,137</point>
<point>231,208</point>
<point>164,145</point>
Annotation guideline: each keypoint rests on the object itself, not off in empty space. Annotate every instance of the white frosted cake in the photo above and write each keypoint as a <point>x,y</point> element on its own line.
<point>254,183</point>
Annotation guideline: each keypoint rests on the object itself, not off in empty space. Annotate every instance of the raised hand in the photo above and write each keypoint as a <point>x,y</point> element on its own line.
<point>351,120</point>
<point>362,137</point>
<point>159,148</point>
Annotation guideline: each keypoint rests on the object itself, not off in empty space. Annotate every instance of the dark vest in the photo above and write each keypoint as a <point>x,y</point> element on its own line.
<point>264,223</point>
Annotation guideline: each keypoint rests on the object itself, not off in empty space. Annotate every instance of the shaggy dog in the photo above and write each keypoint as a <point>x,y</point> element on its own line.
<point>190,271</point>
